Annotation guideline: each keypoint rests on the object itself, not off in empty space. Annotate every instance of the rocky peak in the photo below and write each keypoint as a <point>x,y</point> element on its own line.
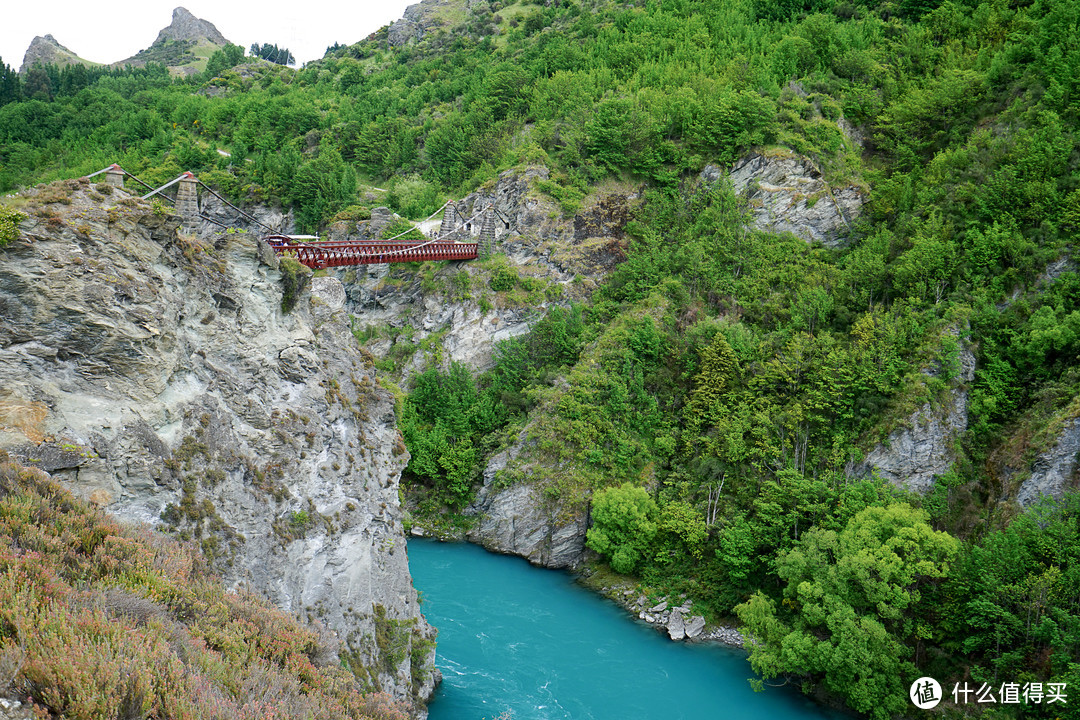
<point>186,26</point>
<point>47,50</point>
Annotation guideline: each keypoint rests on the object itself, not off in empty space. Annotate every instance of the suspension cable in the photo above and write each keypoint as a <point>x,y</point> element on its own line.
<point>263,225</point>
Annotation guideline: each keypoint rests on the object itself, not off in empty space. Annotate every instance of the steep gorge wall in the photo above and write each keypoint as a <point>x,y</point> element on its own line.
<point>157,375</point>
<point>437,320</point>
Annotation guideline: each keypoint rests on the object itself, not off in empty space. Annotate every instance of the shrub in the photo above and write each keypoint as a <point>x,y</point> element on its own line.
<point>98,620</point>
<point>623,526</point>
<point>503,278</point>
<point>9,225</point>
<point>353,213</point>
<point>294,278</point>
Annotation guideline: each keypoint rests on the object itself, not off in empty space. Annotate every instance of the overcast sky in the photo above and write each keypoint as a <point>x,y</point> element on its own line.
<point>117,29</point>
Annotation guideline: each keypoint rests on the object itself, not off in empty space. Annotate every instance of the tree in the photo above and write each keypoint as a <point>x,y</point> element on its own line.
<point>10,84</point>
<point>623,526</point>
<point>221,60</point>
<point>38,85</point>
<point>853,607</point>
<point>273,53</point>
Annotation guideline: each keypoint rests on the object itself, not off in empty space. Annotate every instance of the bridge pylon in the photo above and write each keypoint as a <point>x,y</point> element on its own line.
<point>187,201</point>
<point>487,231</point>
<point>450,219</point>
<point>114,175</point>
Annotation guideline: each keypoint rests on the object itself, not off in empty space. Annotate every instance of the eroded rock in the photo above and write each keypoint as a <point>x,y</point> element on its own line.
<point>1053,471</point>
<point>923,447</point>
<point>156,375</point>
<point>786,193</point>
<point>519,520</point>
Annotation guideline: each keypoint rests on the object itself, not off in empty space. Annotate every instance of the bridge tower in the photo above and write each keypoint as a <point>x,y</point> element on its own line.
<point>114,176</point>
<point>487,231</point>
<point>187,201</point>
<point>450,220</point>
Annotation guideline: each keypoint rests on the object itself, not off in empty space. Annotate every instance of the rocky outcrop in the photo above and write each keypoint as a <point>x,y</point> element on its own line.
<point>185,26</point>
<point>416,21</point>
<point>45,50</point>
<point>670,616</point>
<point>183,46</point>
<point>516,519</point>
<point>156,374</point>
<point>923,447</point>
<point>786,193</point>
<point>178,46</point>
<point>1054,471</point>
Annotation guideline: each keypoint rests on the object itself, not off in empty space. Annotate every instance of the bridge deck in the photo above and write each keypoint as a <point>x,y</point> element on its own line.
<point>319,255</point>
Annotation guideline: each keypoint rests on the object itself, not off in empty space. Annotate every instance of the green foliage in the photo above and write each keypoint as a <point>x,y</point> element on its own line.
<point>740,375</point>
<point>273,53</point>
<point>403,231</point>
<point>1016,612</point>
<point>9,225</point>
<point>852,600</point>
<point>353,214</point>
<point>294,279</point>
<point>442,418</point>
<point>503,278</point>
<point>624,524</point>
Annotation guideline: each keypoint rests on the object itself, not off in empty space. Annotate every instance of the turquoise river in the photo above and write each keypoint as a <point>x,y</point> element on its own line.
<point>532,642</point>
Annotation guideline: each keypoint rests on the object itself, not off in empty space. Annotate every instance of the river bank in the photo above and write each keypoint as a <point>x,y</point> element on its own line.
<point>672,616</point>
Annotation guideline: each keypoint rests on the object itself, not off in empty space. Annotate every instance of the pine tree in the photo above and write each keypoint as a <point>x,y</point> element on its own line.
<point>10,85</point>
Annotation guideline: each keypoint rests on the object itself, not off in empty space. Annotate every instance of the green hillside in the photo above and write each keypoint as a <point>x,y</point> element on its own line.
<point>715,397</point>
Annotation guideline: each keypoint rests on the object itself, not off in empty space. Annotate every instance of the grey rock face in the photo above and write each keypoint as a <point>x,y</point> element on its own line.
<point>923,448</point>
<point>403,31</point>
<point>518,520</point>
<point>185,26</point>
<point>694,627</point>
<point>787,194</point>
<point>45,50</point>
<point>1055,470</point>
<point>675,627</point>
<point>156,375</point>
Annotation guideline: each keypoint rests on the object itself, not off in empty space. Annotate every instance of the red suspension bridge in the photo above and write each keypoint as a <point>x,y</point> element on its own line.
<point>446,244</point>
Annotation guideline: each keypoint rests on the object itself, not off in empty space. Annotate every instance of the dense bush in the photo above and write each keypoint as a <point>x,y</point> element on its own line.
<point>9,225</point>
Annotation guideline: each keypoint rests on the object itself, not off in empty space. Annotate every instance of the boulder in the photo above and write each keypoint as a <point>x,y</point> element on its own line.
<point>676,628</point>
<point>694,627</point>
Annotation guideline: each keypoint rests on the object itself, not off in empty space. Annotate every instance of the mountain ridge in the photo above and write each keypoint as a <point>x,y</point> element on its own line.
<point>184,46</point>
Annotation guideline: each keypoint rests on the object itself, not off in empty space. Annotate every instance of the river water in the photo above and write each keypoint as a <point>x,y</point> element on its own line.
<point>531,641</point>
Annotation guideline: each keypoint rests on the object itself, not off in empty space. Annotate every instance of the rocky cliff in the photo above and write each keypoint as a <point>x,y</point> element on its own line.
<point>518,519</point>
<point>1054,471</point>
<point>157,375</point>
<point>787,193</point>
<point>45,50</point>
<point>924,446</point>
<point>185,26</point>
